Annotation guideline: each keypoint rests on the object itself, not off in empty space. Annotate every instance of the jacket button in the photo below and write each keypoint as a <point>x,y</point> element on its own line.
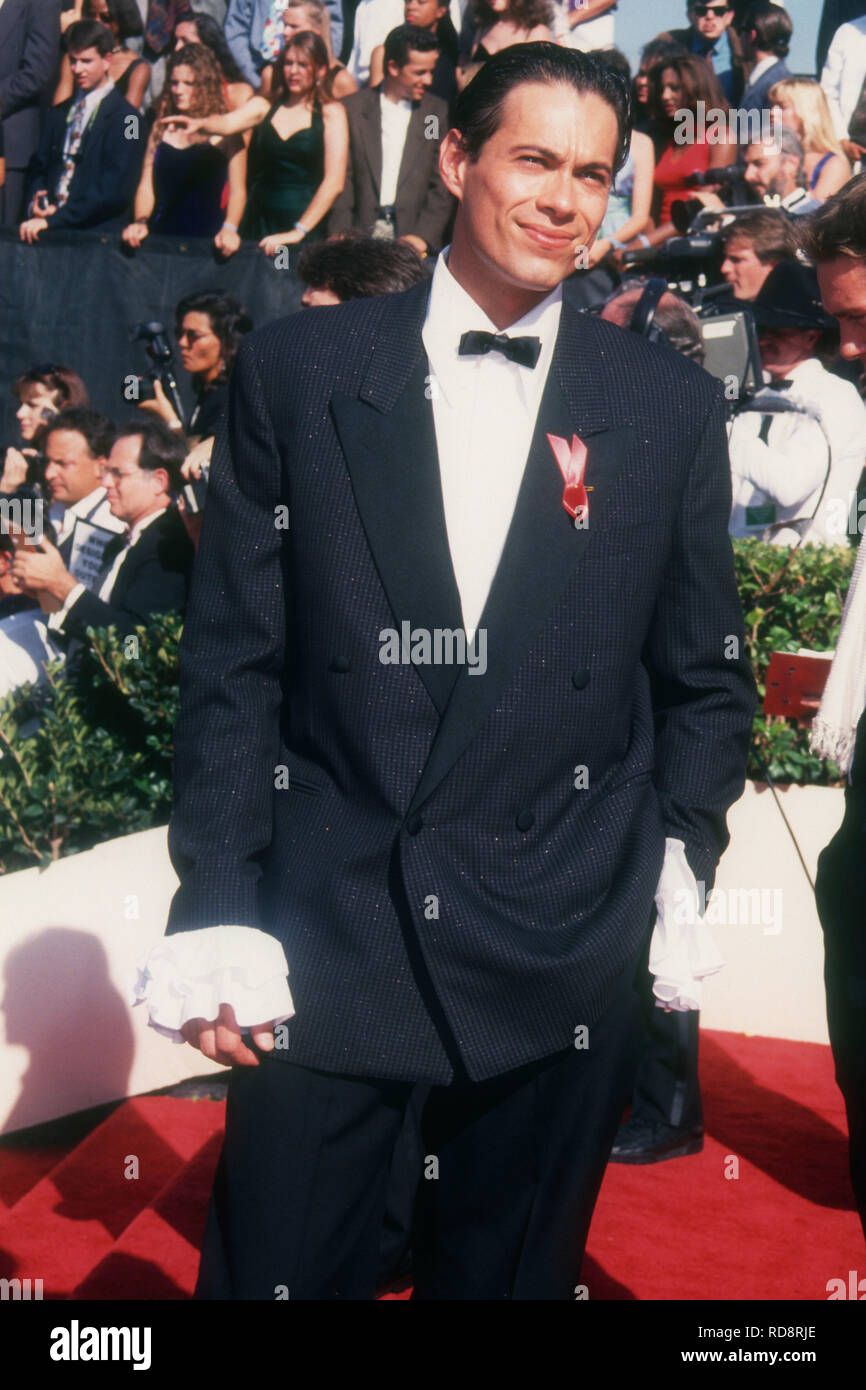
<point>414,824</point>
<point>580,678</point>
<point>340,665</point>
<point>525,821</point>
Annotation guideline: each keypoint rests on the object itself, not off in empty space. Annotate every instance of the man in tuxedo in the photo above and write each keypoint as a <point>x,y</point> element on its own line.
<point>29,64</point>
<point>86,170</point>
<point>146,570</point>
<point>834,241</point>
<point>393,186</point>
<point>455,858</point>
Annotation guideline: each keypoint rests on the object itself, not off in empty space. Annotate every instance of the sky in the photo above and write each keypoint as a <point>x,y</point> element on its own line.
<point>638,21</point>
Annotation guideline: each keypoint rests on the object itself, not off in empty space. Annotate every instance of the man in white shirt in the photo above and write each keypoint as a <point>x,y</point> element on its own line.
<point>844,73</point>
<point>393,188</point>
<point>146,567</point>
<point>794,472</point>
<point>76,450</point>
<point>460,863</point>
<point>775,172</point>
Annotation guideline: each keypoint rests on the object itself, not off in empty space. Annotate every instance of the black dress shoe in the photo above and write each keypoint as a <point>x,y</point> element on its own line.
<point>651,1141</point>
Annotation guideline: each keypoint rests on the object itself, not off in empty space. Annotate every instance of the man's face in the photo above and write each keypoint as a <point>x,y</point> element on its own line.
<point>410,82</point>
<point>843,290</point>
<point>783,349</point>
<point>71,470</point>
<point>742,269</point>
<point>539,187</point>
<point>769,172</point>
<point>89,69</point>
<point>312,297</point>
<point>710,20</point>
<point>131,491</point>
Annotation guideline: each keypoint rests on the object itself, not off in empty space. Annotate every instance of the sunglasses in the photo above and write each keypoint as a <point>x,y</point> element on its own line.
<point>715,10</point>
<point>191,336</point>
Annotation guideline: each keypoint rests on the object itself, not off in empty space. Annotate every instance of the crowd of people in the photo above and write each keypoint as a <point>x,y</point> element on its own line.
<point>309,124</point>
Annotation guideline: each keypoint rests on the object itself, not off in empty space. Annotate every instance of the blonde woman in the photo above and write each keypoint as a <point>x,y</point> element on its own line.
<point>800,104</point>
<point>312,16</point>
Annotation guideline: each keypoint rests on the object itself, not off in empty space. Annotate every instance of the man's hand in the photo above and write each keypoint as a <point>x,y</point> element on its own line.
<point>43,572</point>
<point>192,464</point>
<point>220,1038</point>
<point>29,230</point>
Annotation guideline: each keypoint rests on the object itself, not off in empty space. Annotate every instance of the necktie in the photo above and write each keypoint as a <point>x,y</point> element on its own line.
<point>73,143</point>
<point>524,351</point>
<point>272,33</point>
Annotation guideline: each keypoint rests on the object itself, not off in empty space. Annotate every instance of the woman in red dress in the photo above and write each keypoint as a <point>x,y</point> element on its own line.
<point>692,145</point>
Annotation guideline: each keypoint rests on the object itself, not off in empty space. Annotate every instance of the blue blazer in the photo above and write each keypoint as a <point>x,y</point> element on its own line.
<point>754,98</point>
<point>436,864</point>
<point>108,166</point>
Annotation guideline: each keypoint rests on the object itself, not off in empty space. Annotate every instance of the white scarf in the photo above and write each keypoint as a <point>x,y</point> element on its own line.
<point>835,724</point>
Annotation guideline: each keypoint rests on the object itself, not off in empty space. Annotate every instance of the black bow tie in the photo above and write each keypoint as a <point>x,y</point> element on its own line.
<point>524,351</point>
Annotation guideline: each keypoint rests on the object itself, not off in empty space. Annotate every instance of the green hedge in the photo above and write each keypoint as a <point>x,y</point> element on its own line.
<point>82,761</point>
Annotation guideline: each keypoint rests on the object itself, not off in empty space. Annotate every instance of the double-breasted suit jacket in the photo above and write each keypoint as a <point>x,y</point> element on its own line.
<point>439,873</point>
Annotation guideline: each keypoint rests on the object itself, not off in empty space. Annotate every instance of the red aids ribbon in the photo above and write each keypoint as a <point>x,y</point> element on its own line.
<point>572,465</point>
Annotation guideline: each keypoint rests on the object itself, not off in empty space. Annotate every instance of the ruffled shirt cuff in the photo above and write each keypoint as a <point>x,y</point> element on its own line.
<point>189,975</point>
<point>57,619</point>
<point>682,949</point>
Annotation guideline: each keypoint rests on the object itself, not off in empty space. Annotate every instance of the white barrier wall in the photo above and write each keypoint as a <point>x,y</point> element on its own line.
<point>71,934</point>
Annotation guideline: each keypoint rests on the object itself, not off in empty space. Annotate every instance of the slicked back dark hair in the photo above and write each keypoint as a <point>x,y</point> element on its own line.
<point>161,447</point>
<point>406,38</point>
<point>98,431</point>
<point>478,109</point>
<point>838,228</point>
<point>359,267</point>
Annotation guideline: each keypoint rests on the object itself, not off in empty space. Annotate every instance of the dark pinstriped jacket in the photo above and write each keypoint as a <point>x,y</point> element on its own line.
<point>431,870</point>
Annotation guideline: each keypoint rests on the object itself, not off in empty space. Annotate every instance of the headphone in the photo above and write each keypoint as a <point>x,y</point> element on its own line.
<point>643,318</point>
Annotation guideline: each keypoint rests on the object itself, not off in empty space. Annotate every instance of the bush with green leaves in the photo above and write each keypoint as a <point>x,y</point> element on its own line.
<point>791,599</point>
<point>88,758</point>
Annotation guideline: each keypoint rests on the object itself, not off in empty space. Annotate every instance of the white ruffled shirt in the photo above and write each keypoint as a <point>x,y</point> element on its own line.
<point>189,974</point>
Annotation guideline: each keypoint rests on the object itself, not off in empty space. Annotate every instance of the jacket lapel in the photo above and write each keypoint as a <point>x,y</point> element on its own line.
<point>389,440</point>
<point>543,547</point>
<point>371,137</point>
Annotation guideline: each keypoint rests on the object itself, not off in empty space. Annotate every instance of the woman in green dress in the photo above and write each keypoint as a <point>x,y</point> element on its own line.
<point>299,148</point>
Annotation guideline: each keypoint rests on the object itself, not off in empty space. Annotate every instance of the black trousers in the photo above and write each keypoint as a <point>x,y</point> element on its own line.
<point>667,1089</point>
<point>511,1172</point>
<point>840,892</point>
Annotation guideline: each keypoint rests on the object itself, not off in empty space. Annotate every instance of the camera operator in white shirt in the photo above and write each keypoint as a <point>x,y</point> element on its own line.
<point>792,467</point>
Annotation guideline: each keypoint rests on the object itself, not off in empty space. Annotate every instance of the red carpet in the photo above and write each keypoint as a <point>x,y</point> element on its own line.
<point>780,1229</point>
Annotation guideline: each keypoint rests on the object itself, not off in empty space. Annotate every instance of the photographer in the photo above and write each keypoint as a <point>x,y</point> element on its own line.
<point>209,326</point>
<point>791,467</point>
<point>776,169</point>
<point>41,392</point>
<point>752,246</point>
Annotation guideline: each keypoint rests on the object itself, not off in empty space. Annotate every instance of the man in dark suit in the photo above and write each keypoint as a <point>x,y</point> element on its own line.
<point>834,241</point>
<point>766,32</point>
<point>144,571</point>
<point>393,186</point>
<point>438,735</point>
<point>29,63</point>
<point>87,167</point>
